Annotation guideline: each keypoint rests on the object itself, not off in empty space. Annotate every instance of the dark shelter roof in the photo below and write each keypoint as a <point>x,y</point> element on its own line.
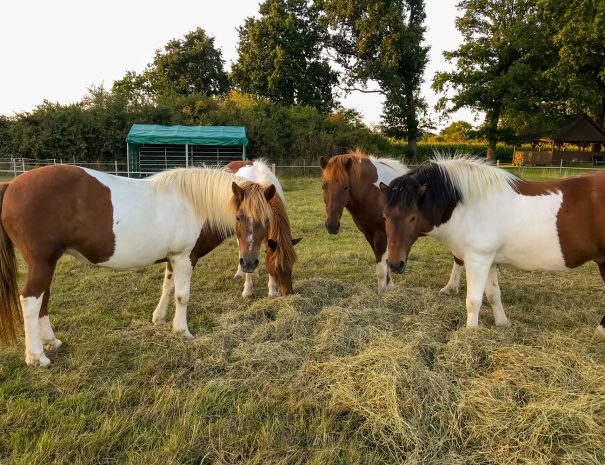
<point>581,129</point>
<point>194,135</point>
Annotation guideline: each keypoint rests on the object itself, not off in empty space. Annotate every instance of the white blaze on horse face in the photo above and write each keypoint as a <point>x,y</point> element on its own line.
<point>250,236</point>
<point>34,351</point>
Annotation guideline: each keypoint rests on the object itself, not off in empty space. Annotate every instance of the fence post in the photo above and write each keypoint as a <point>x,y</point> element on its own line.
<point>497,163</point>
<point>116,166</point>
<point>304,166</point>
<point>54,161</point>
<point>23,164</point>
<point>74,159</point>
<point>273,167</point>
<point>14,168</point>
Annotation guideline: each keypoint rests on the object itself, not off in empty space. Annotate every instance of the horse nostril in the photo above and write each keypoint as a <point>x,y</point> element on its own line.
<point>256,262</point>
<point>241,261</point>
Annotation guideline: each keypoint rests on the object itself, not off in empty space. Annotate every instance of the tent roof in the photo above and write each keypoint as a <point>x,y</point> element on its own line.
<point>194,135</point>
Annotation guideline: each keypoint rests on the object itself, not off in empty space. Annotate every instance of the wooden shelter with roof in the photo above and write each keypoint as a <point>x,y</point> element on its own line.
<point>580,131</point>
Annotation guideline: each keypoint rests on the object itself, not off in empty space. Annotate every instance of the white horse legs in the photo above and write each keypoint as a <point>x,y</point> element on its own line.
<point>159,314</point>
<point>34,350</point>
<point>477,271</point>
<point>272,287</point>
<point>492,292</point>
<point>247,292</point>
<point>49,339</point>
<point>182,269</point>
<point>453,285</point>
<point>177,278</point>
<point>384,275</point>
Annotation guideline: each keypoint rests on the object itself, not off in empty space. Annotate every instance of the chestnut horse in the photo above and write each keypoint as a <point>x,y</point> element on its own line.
<point>488,216</point>
<point>117,223</point>
<point>280,255</point>
<point>351,181</point>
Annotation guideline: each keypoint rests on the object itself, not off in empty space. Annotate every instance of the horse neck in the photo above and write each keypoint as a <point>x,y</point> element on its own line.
<point>365,199</point>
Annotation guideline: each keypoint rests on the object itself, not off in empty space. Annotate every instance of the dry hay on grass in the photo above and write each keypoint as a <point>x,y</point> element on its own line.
<point>333,374</point>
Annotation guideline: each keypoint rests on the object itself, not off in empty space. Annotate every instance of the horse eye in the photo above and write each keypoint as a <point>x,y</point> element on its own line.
<point>346,188</point>
<point>412,219</point>
<point>323,186</point>
<point>238,218</point>
<point>266,220</point>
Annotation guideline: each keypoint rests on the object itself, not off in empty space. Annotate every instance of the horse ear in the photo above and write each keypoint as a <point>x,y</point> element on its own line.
<point>323,163</point>
<point>384,188</point>
<point>296,241</point>
<point>348,163</point>
<point>272,244</point>
<point>421,190</point>
<point>237,191</point>
<point>269,192</point>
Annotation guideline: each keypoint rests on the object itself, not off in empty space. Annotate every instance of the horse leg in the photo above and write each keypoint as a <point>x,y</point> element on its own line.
<point>383,273</point>
<point>601,327</point>
<point>183,269</point>
<point>492,292</point>
<point>477,271</point>
<point>453,285</point>
<point>247,292</point>
<point>49,340</point>
<point>272,287</point>
<point>39,277</point>
<point>159,314</point>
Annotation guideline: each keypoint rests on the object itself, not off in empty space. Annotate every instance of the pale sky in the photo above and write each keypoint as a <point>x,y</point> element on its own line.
<point>56,49</point>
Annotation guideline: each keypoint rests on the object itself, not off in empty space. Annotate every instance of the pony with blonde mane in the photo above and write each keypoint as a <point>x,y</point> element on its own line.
<point>488,217</point>
<point>351,181</point>
<point>277,237</point>
<point>117,223</point>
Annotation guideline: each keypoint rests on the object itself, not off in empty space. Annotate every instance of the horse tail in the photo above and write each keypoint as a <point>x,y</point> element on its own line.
<point>9,297</point>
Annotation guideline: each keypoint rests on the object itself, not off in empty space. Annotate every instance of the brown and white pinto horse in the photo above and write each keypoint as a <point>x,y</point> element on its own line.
<point>352,181</point>
<point>488,216</point>
<point>117,223</point>
<point>279,254</point>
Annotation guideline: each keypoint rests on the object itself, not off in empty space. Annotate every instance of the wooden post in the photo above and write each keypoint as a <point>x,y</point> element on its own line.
<point>116,166</point>
<point>23,164</point>
<point>14,168</point>
<point>273,167</point>
<point>561,168</point>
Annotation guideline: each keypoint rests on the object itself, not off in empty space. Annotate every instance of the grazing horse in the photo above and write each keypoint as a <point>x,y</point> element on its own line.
<point>117,223</point>
<point>488,216</point>
<point>351,181</point>
<point>280,255</point>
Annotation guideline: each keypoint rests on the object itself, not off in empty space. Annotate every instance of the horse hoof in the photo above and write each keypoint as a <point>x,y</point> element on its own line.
<point>503,323</point>
<point>37,360</point>
<point>450,291</point>
<point>184,334</point>
<point>54,344</point>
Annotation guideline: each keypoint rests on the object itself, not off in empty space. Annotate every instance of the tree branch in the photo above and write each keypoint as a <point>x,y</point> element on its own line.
<point>357,89</point>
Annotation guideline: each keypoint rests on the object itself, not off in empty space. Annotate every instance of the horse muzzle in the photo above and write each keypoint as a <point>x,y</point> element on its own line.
<point>333,228</point>
<point>247,265</point>
<point>397,267</point>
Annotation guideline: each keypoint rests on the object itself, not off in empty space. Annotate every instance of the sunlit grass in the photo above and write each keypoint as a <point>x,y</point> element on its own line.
<point>335,374</point>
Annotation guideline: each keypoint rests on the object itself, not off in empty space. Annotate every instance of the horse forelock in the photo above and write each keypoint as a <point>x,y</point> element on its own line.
<point>253,204</point>
<point>336,171</point>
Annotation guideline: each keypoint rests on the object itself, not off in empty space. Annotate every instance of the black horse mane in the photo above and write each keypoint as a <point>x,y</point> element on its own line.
<point>439,199</point>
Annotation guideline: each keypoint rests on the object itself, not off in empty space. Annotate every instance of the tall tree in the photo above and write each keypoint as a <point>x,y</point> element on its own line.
<point>500,64</point>
<point>188,66</point>
<point>382,41</point>
<point>280,56</point>
<point>580,39</point>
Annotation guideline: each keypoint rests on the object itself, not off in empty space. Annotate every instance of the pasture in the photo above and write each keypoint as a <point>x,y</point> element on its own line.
<point>335,374</point>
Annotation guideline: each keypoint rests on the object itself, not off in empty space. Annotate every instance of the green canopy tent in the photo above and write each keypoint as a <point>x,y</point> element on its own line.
<point>151,148</point>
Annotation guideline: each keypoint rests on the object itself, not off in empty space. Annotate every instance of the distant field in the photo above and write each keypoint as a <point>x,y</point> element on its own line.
<point>335,374</point>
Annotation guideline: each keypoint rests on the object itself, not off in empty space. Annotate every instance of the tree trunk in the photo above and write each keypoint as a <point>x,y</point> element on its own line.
<point>412,124</point>
<point>413,149</point>
<point>492,134</point>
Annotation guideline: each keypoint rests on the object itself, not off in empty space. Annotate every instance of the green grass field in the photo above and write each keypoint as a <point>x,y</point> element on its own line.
<point>335,374</point>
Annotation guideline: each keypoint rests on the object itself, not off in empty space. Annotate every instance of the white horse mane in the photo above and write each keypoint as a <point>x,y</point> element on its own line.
<point>208,191</point>
<point>473,177</point>
<point>395,165</point>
